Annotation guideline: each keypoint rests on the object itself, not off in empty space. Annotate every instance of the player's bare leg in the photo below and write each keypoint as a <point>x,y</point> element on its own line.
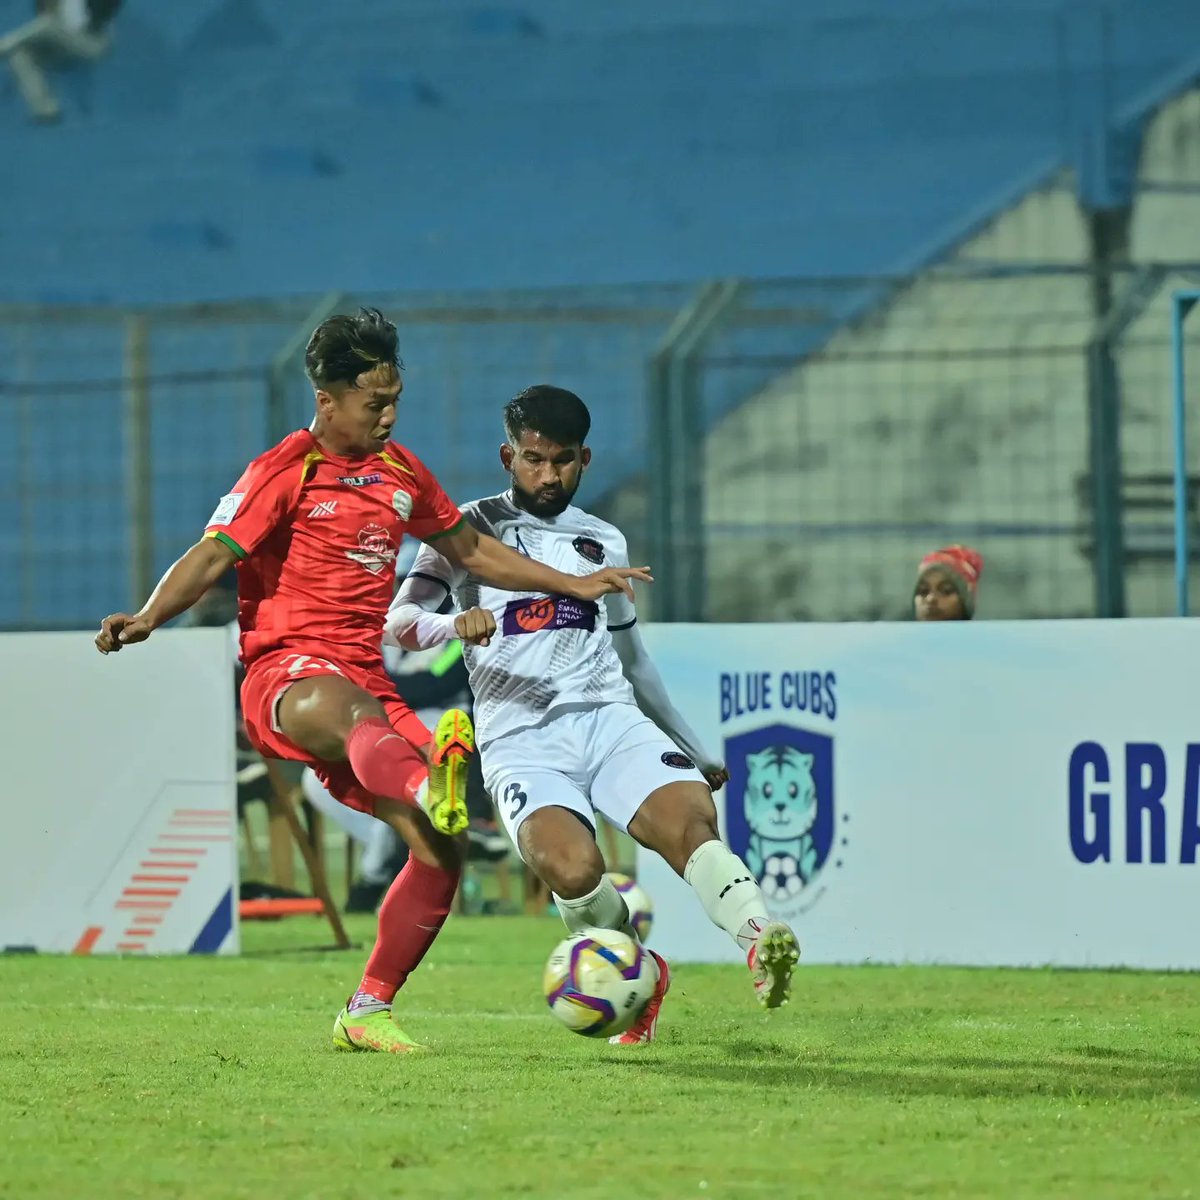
<point>679,822</point>
<point>561,851</point>
<point>335,720</point>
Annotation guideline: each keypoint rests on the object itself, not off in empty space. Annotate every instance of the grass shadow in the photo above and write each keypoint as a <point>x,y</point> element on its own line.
<point>287,951</point>
<point>1078,1073</point>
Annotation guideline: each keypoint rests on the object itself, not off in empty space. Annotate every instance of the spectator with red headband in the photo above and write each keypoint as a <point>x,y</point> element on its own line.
<point>947,583</point>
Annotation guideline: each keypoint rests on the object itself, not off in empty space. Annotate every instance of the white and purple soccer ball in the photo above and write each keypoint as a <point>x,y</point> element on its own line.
<point>637,900</point>
<point>597,981</point>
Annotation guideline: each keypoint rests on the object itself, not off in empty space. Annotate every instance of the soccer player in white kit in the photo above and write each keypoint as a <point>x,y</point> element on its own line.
<point>572,717</point>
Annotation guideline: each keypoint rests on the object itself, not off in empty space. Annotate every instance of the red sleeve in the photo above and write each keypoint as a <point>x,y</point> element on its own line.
<point>434,513</point>
<point>260,500</point>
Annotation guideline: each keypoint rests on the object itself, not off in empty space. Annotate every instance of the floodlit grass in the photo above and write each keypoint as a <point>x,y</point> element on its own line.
<point>199,1078</point>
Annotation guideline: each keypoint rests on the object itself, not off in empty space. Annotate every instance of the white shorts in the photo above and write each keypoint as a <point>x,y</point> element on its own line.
<point>605,760</point>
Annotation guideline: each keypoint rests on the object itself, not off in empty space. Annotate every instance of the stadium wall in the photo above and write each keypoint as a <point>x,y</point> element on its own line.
<point>537,145</point>
<point>855,422</point>
<point>956,409</point>
<point>956,412</point>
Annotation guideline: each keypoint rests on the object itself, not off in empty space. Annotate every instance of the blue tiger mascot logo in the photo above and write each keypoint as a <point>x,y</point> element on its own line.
<point>781,803</point>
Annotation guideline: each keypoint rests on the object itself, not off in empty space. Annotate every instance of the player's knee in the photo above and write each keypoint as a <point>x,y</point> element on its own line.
<point>355,711</point>
<point>424,843</point>
<point>439,850</point>
<point>675,821</point>
<point>572,870</point>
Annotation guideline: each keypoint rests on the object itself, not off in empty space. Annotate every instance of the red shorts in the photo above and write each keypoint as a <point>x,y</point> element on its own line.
<point>268,677</point>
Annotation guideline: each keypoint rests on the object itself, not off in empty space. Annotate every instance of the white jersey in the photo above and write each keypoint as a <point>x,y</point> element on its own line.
<point>550,653</point>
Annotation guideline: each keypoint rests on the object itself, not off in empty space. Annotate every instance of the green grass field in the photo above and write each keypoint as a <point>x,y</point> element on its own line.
<point>197,1078</point>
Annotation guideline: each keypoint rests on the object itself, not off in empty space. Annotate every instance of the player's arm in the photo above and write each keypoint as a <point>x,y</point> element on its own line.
<point>240,523</point>
<point>183,584</point>
<point>651,695</point>
<point>414,620</point>
<point>502,567</point>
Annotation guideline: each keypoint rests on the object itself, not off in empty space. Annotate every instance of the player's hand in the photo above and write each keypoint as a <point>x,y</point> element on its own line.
<point>120,629</point>
<point>609,580</point>
<point>716,775</point>
<point>475,626</point>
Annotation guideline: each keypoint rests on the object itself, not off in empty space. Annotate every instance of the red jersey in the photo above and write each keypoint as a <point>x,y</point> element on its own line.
<point>317,536</point>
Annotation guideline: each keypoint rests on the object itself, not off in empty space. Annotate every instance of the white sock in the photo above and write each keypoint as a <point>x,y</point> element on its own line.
<point>729,892</point>
<point>603,907</point>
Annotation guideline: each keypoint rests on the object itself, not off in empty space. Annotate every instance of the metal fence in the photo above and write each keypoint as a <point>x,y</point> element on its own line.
<point>835,431</point>
<point>781,450</point>
<point>126,427</point>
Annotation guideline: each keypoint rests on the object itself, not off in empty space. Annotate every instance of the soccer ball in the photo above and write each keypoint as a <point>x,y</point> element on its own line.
<point>597,981</point>
<point>641,907</point>
<point>781,878</point>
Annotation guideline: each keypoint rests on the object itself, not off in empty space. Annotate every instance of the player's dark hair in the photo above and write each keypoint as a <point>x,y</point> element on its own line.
<point>343,347</point>
<point>553,412</point>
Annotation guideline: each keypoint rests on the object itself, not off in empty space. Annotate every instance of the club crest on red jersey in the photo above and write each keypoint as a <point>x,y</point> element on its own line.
<point>376,552</point>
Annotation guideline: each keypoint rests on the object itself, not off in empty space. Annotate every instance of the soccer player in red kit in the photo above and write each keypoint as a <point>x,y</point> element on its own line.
<point>313,527</point>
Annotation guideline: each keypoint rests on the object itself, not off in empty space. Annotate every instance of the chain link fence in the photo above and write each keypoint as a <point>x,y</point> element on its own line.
<point>126,427</point>
<point>946,409</point>
<point>851,426</point>
<point>780,451</point>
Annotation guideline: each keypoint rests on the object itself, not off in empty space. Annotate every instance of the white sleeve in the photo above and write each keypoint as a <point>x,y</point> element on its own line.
<point>651,695</point>
<point>413,620</point>
<point>621,612</point>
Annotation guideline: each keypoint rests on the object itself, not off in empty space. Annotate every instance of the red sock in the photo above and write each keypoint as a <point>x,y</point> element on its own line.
<point>411,916</point>
<point>384,762</point>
